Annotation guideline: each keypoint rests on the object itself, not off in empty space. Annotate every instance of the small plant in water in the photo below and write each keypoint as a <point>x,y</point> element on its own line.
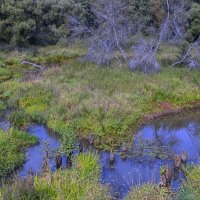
<point>162,170</point>
<point>48,154</point>
<point>68,144</point>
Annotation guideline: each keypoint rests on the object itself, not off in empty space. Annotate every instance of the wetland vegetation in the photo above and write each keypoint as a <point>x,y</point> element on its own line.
<point>81,85</point>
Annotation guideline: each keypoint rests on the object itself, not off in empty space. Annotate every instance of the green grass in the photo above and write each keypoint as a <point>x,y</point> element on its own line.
<point>73,97</point>
<point>4,74</point>
<point>148,192</point>
<point>107,102</point>
<point>2,106</point>
<point>79,183</point>
<point>191,188</point>
<point>12,146</point>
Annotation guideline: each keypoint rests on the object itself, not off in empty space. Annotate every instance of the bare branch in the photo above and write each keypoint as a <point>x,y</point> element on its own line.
<point>33,65</point>
<point>187,54</point>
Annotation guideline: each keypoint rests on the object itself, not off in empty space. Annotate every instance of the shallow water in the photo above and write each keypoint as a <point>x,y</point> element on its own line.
<point>154,146</point>
<point>35,154</point>
<point>4,122</point>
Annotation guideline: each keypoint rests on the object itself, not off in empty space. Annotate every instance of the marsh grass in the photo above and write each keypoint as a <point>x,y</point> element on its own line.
<point>107,102</point>
<point>191,188</point>
<point>78,183</point>
<point>2,106</point>
<point>148,192</point>
<point>12,146</point>
<point>4,74</point>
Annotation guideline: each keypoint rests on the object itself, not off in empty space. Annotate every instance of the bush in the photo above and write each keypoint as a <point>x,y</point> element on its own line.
<point>195,20</point>
<point>39,22</point>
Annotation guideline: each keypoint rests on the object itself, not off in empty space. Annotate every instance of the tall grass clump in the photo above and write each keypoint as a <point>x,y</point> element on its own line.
<point>191,188</point>
<point>79,183</point>
<point>4,72</point>
<point>148,192</point>
<point>12,146</point>
<point>2,106</point>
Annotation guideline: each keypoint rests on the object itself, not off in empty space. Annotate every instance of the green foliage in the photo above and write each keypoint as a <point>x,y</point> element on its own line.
<point>68,140</point>
<point>4,72</point>
<point>105,102</point>
<point>2,106</point>
<point>195,20</point>
<point>12,146</point>
<point>80,183</point>
<point>34,100</point>
<point>138,10</point>
<point>39,22</point>
<point>19,118</point>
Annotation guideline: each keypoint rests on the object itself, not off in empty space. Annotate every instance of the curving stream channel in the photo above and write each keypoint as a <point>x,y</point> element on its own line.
<point>154,146</point>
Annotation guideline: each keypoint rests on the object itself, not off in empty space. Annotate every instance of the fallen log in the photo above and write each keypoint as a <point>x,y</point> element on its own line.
<point>33,65</point>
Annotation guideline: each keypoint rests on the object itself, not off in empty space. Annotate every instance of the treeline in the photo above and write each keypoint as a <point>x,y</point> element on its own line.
<point>43,22</point>
<point>40,22</point>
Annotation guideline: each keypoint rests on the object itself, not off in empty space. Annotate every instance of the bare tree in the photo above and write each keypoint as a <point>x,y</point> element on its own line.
<point>145,52</point>
<point>144,57</point>
<point>191,56</point>
<point>110,35</point>
<point>108,39</point>
<point>173,30</point>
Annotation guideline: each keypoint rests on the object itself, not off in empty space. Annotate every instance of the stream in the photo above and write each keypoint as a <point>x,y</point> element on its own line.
<point>155,146</point>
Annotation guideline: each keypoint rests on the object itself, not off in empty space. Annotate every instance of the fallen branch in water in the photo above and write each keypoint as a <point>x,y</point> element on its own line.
<point>33,65</point>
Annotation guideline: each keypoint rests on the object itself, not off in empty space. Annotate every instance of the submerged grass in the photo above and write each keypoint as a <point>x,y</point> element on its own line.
<point>12,146</point>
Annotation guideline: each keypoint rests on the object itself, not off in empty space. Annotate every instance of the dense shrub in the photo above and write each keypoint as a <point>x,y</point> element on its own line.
<point>39,22</point>
<point>195,20</point>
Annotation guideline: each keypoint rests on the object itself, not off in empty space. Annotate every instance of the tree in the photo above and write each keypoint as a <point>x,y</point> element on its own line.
<point>195,21</point>
<point>40,22</point>
<point>158,11</point>
<point>139,14</point>
<point>110,34</point>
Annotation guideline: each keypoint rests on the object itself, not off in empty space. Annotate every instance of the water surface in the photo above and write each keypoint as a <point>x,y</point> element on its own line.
<point>153,147</point>
<point>4,122</point>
